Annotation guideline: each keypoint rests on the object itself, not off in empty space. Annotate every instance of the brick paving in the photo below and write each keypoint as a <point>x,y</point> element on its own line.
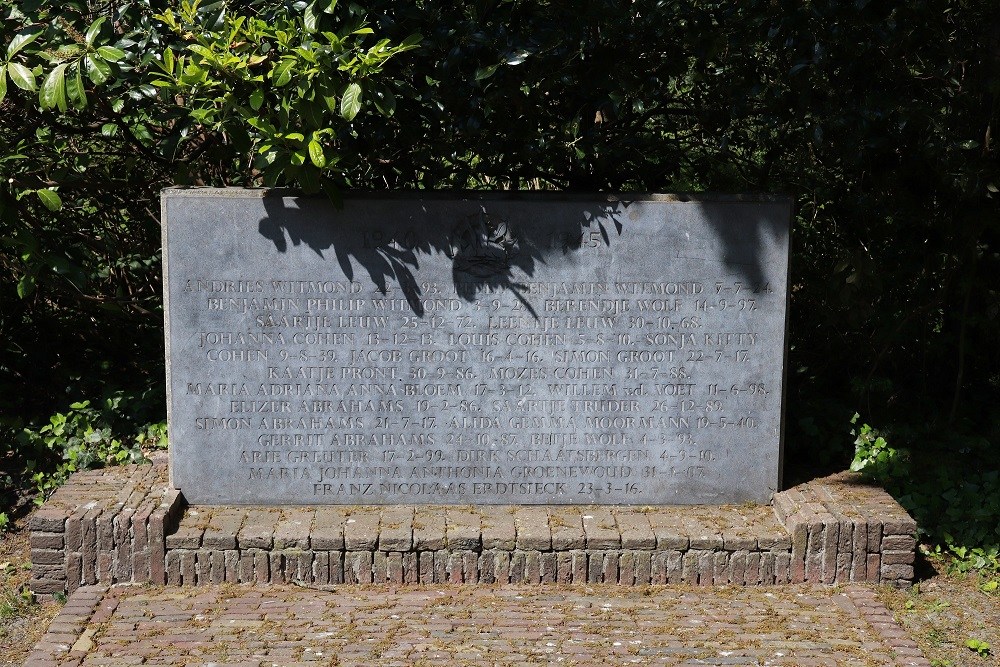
<point>445,625</point>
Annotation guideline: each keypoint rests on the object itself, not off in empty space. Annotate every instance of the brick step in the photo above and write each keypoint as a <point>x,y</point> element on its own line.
<point>125,525</point>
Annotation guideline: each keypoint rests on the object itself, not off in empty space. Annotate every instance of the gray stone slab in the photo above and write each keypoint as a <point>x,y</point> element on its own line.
<point>474,348</point>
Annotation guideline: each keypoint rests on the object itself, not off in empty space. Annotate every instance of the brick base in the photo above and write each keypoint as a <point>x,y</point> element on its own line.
<point>124,525</point>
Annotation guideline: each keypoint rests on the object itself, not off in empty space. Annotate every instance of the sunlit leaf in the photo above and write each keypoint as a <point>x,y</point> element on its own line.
<point>22,77</point>
<point>350,103</point>
<point>50,199</point>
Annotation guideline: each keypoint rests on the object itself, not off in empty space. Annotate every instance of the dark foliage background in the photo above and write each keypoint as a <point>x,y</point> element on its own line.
<point>878,117</point>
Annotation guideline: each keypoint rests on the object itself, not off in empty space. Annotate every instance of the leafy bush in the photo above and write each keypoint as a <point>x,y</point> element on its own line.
<point>953,493</point>
<point>879,118</point>
<point>86,437</point>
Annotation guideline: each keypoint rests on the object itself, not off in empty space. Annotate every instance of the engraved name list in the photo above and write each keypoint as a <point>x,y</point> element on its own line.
<point>474,350</point>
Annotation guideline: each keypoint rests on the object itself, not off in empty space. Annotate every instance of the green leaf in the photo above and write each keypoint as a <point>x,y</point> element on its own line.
<point>50,199</point>
<point>3,82</point>
<point>282,72</point>
<point>412,40</point>
<point>75,89</point>
<point>20,41</point>
<point>310,18</point>
<point>316,154</point>
<point>350,103</point>
<point>330,7</point>
<point>168,60</point>
<point>110,53</point>
<point>256,99</point>
<point>93,31</point>
<point>25,286</point>
<point>98,70</point>
<point>53,93</point>
<point>485,72</point>
<point>22,77</point>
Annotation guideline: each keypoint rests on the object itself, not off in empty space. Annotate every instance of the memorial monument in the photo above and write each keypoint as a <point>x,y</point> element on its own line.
<point>471,388</point>
<point>474,348</point>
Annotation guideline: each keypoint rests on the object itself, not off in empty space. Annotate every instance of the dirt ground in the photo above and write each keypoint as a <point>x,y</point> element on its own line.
<point>22,620</point>
<point>941,612</point>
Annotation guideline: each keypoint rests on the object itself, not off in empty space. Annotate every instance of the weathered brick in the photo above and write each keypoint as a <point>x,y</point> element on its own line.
<point>533,532</point>
<point>874,536</point>
<point>739,542</point>
<point>48,520</point>
<point>396,530</point>
<point>47,587</point>
<point>738,568</point>
<point>410,572</point>
<point>564,567</point>
<point>626,568</point>
<point>720,563</point>
<point>767,567</point>
<point>40,540</point>
<point>859,552</point>
<point>689,564</point>
<point>517,566</point>
<point>800,549</point>
<point>189,575</point>
<point>498,530</point>
<point>123,545</point>
<point>831,541</point>
<point>337,567</point>
<point>636,531</point>
<point>426,562</point>
<point>244,569</point>
<point>359,564</point>
<point>47,557</point>
<point>567,528</point>
<point>173,568</point>
<point>394,567</point>
<point>257,529</point>
<point>897,571</point>
<point>502,566</point>
<point>595,566</point>
<point>900,525</point>
<point>463,529</point>
<point>380,567</point>
<point>601,529</point>
<point>88,549</point>
<point>874,564</point>
<point>782,568</point>
<point>658,568</point>
<point>706,568</point>
<point>643,564</point>
<point>470,567</point>
<point>549,568</point>
<point>327,532</point>
<point>579,566</point>
<point>428,531</point>
<point>899,543</point>
<point>752,573</point>
<point>675,567</point>
<point>609,569</point>
<point>814,552</point>
<point>223,528</point>
<point>292,530</point>
<point>897,558</point>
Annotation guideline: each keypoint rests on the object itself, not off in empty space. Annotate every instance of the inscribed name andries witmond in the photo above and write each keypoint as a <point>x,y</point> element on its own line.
<point>474,348</point>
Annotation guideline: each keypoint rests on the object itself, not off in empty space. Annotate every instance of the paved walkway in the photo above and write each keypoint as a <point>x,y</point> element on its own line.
<point>475,625</point>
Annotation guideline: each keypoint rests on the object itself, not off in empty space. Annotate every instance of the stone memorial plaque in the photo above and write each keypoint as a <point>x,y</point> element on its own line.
<point>473,348</point>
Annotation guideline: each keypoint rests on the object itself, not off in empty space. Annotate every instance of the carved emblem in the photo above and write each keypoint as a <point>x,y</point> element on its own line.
<point>483,245</point>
